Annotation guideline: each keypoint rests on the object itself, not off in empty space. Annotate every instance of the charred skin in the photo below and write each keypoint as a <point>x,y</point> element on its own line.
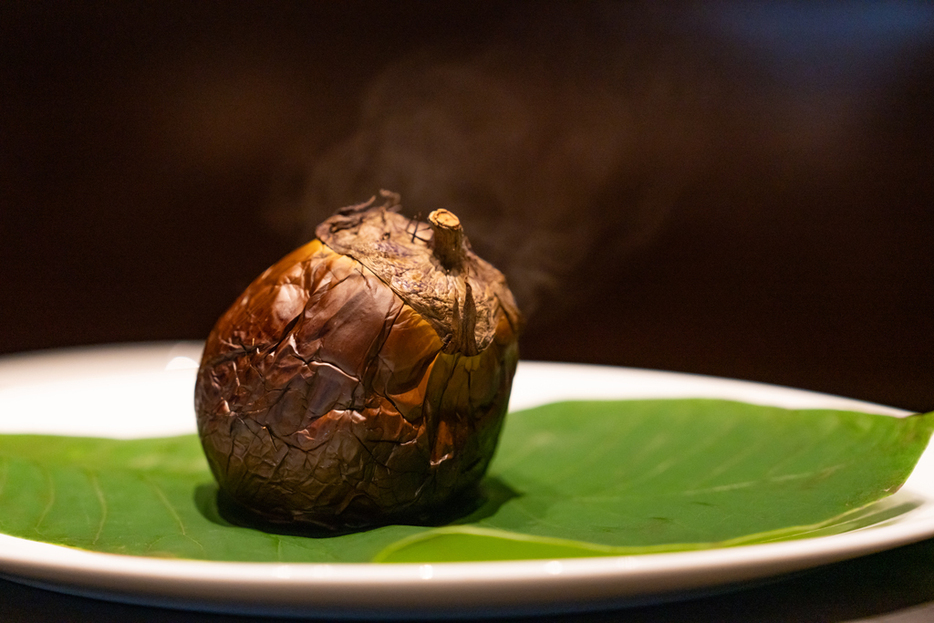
<point>343,392</point>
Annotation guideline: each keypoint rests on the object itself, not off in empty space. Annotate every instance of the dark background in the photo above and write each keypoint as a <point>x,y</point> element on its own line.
<point>745,191</point>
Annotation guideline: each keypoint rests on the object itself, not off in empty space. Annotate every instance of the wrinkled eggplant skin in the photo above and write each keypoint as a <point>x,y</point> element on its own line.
<point>324,399</point>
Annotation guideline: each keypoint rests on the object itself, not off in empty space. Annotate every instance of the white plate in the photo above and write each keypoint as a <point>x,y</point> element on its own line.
<point>92,391</point>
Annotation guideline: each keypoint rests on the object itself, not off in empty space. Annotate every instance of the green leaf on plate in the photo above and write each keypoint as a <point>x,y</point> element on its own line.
<point>473,543</point>
<point>569,479</point>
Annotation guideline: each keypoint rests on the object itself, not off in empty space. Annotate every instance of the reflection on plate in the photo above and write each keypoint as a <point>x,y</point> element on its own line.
<point>146,390</point>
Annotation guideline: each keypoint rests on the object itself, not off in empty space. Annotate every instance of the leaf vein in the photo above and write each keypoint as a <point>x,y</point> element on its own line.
<point>96,485</point>
<point>50,484</point>
<point>166,503</point>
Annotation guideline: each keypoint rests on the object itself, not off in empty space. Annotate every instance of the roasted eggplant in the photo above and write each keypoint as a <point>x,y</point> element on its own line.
<point>364,378</point>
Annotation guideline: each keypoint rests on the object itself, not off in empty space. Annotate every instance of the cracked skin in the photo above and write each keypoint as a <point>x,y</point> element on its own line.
<point>341,391</point>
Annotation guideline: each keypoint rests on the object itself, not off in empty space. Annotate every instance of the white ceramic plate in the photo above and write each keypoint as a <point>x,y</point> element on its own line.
<point>92,391</point>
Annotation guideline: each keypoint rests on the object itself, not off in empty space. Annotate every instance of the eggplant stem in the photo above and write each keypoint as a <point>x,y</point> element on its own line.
<point>448,245</point>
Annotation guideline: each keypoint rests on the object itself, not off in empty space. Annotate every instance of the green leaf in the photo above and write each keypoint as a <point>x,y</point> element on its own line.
<point>570,479</point>
<point>474,543</point>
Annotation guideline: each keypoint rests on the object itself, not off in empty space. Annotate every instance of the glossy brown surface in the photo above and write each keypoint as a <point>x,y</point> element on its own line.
<point>325,398</point>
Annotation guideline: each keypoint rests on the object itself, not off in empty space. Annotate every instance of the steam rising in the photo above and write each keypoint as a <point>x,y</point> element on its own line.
<point>562,144</point>
<point>543,161</point>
